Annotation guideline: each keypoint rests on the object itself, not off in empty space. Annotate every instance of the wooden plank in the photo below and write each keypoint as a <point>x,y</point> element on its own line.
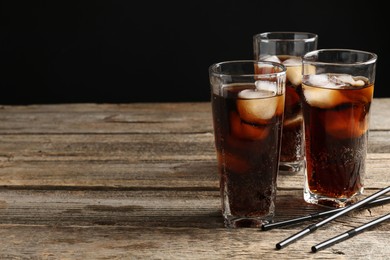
<point>378,141</point>
<point>130,118</point>
<point>379,117</point>
<point>117,160</point>
<point>87,181</point>
<point>178,173</point>
<point>129,147</point>
<point>141,208</point>
<point>134,146</point>
<point>107,118</point>
<point>190,174</point>
<point>112,242</point>
<point>75,224</point>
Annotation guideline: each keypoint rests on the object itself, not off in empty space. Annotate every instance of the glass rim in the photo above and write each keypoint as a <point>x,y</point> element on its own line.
<point>311,37</point>
<point>372,57</point>
<point>212,68</point>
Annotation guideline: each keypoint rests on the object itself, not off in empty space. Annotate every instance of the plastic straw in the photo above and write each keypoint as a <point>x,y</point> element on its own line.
<point>283,223</point>
<point>314,227</point>
<point>349,234</point>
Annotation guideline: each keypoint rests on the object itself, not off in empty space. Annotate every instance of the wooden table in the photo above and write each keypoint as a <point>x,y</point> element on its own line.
<point>139,181</point>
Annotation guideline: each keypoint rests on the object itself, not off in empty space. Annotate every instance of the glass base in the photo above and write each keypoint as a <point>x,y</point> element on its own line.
<point>329,202</point>
<point>291,167</point>
<point>245,222</point>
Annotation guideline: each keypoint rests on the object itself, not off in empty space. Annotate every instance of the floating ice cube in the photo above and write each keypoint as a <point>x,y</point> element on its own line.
<point>267,68</point>
<point>320,80</point>
<point>267,86</point>
<point>336,81</point>
<point>327,94</point>
<point>359,83</point>
<point>347,123</point>
<point>271,58</point>
<point>339,81</point>
<point>264,69</point>
<point>309,69</point>
<point>322,97</point>
<point>324,94</point>
<point>345,78</point>
<point>294,75</point>
<point>255,93</point>
<point>295,61</point>
<point>348,79</point>
<point>256,106</point>
<point>246,131</point>
<point>294,70</point>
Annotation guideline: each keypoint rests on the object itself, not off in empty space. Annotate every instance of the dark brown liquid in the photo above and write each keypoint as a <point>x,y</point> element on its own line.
<point>292,135</point>
<point>336,142</point>
<point>247,155</point>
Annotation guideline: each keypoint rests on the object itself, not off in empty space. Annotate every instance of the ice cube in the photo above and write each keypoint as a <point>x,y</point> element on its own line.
<point>345,78</point>
<point>271,58</point>
<point>255,93</point>
<point>267,68</point>
<point>360,81</point>
<point>328,92</point>
<point>243,130</point>
<point>294,75</point>
<point>323,97</point>
<point>266,85</point>
<point>319,80</point>
<point>264,69</point>
<point>256,106</point>
<point>294,70</point>
<point>294,61</point>
<point>346,123</point>
<point>309,69</point>
<point>342,80</point>
<point>354,81</point>
<point>324,94</point>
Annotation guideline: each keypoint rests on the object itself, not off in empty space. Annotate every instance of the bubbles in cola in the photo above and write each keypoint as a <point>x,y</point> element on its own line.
<point>292,136</point>
<point>247,125</point>
<point>336,108</point>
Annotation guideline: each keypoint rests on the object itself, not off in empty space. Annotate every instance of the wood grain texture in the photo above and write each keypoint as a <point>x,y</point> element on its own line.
<point>139,181</point>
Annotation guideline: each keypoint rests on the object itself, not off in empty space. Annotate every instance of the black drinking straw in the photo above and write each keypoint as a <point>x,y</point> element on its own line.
<point>283,223</point>
<point>350,233</point>
<point>314,227</point>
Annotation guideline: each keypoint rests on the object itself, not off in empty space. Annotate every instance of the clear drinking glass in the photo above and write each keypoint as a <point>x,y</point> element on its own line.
<point>288,48</point>
<point>247,99</point>
<point>337,87</point>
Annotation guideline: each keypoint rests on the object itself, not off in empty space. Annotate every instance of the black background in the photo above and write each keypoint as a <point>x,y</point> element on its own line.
<point>131,51</point>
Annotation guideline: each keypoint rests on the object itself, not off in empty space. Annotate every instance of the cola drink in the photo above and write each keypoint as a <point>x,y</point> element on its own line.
<point>336,109</point>
<point>247,98</point>
<point>292,151</point>
<point>288,48</point>
<point>248,125</point>
<point>292,136</point>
